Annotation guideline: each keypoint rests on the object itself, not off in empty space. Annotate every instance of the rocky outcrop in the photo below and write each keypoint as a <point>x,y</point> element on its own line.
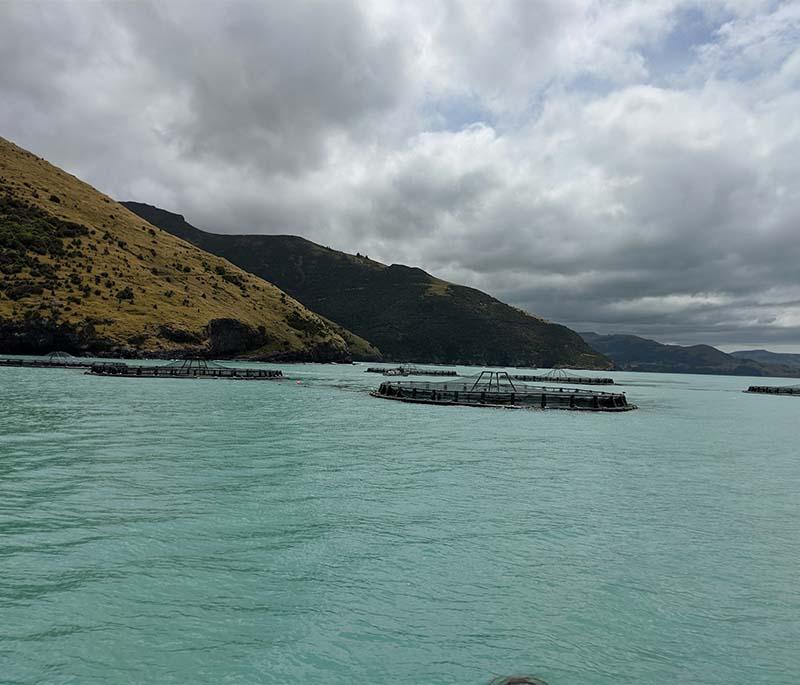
<point>230,337</point>
<point>42,335</point>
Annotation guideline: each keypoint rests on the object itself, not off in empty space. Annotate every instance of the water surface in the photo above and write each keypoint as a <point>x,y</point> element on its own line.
<point>179,531</point>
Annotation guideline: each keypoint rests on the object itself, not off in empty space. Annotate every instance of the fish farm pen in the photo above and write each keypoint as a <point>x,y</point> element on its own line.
<point>183,368</point>
<point>411,371</point>
<point>562,376</point>
<point>497,389</point>
<point>774,390</point>
<point>54,360</point>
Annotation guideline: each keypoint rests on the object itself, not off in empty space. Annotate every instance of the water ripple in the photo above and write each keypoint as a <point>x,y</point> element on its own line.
<point>220,532</point>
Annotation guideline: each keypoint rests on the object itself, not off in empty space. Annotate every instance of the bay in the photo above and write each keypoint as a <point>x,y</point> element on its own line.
<point>179,531</point>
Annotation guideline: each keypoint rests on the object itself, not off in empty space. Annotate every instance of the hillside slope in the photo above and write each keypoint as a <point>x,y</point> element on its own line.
<point>769,358</point>
<point>632,353</point>
<point>80,272</point>
<point>406,312</point>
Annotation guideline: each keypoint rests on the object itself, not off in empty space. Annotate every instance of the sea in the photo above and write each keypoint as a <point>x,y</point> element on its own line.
<point>302,531</point>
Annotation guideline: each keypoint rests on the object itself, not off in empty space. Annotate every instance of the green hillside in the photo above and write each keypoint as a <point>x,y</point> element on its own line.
<point>770,358</point>
<point>632,353</point>
<point>406,312</point>
<point>80,272</point>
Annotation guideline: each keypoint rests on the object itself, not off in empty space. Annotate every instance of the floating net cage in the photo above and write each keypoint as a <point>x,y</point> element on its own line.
<point>62,358</point>
<point>411,371</point>
<point>57,359</point>
<point>182,368</point>
<point>774,389</point>
<point>563,376</point>
<point>498,389</point>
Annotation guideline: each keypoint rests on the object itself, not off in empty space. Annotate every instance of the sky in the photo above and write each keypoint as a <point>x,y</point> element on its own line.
<point>614,166</point>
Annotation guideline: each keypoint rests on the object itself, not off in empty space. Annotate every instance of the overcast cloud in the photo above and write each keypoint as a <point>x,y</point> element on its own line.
<point>615,166</point>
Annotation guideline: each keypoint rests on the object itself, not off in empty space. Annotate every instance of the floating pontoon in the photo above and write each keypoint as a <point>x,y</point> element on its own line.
<point>774,389</point>
<point>182,368</point>
<point>563,376</point>
<point>411,371</point>
<point>53,360</point>
<point>497,389</point>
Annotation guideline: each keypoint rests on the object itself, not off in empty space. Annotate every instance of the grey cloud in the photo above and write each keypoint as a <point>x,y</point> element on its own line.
<point>263,84</point>
<point>665,210</point>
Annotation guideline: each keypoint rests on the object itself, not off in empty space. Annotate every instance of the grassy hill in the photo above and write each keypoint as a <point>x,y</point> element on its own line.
<point>409,314</point>
<point>770,358</point>
<point>80,272</point>
<point>632,353</point>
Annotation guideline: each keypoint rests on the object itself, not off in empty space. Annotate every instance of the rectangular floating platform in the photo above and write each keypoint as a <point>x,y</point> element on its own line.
<point>54,360</point>
<point>184,369</point>
<point>496,389</point>
<point>44,364</point>
<point>411,371</point>
<point>774,390</point>
<point>565,378</point>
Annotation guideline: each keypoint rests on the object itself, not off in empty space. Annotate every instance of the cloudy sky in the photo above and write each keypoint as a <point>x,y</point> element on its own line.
<point>615,166</point>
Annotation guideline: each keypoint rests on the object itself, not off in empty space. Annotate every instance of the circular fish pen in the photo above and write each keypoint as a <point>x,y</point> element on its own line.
<point>774,390</point>
<point>53,360</point>
<point>182,368</point>
<point>497,389</point>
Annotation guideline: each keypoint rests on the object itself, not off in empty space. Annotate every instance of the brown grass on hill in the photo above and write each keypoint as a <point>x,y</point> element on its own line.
<point>133,279</point>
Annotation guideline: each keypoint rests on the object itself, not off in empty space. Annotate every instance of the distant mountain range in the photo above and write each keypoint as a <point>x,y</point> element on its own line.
<point>407,313</point>
<point>771,358</point>
<point>633,353</point>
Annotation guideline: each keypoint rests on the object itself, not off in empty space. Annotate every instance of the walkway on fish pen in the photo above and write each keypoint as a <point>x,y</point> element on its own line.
<point>53,360</point>
<point>411,371</point>
<point>562,376</point>
<point>774,389</point>
<point>182,368</point>
<point>497,389</point>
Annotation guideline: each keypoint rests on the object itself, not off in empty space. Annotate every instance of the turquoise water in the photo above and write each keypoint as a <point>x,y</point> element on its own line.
<point>274,532</point>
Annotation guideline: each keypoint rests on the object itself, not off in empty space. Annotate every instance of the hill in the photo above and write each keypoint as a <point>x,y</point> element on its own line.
<point>632,353</point>
<point>409,314</point>
<point>80,272</point>
<point>767,357</point>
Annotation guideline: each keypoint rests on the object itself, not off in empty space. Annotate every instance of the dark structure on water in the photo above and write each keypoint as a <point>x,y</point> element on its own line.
<point>497,389</point>
<point>774,390</point>
<point>410,371</point>
<point>183,368</point>
<point>54,360</point>
<point>562,376</point>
